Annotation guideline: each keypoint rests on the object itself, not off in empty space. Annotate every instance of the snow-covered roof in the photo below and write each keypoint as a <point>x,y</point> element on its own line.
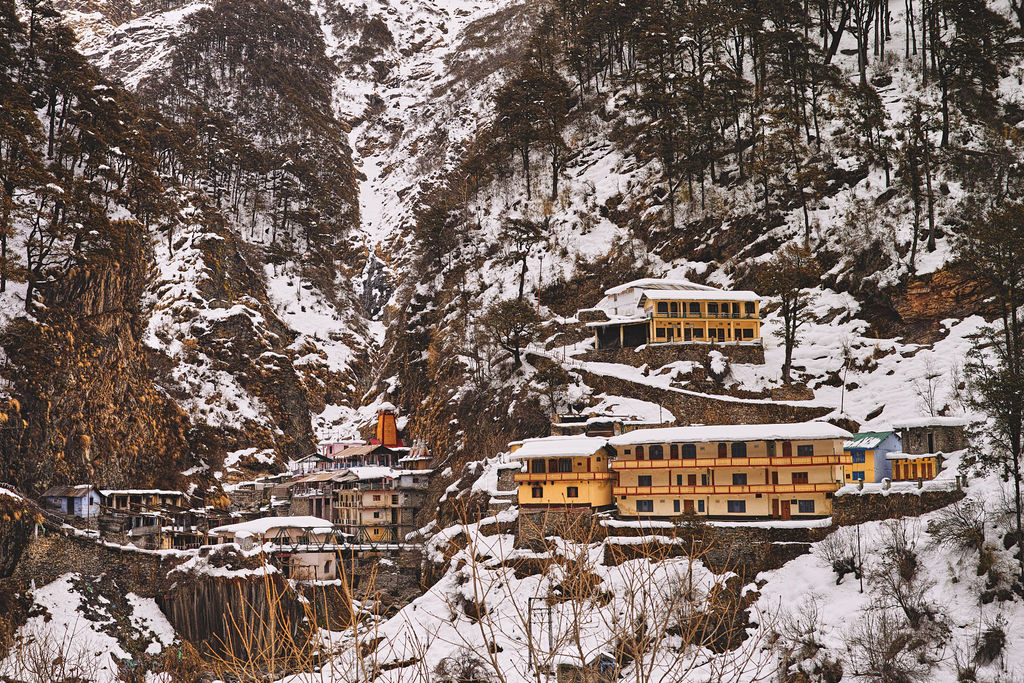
<point>261,526</point>
<point>75,491</point>
<point>140,492</point>
<point>559,446</point>
<point>867,440</point>
<point>656,283</point>
<point>934,421</point>
<point>802,431</point>
<point>899,455</point>
<point>386,406</point>
<point>618,320</point>
<point>703,295</point>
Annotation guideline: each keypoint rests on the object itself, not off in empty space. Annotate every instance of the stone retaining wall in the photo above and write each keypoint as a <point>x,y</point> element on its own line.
<point>657,355</point>
<point>851,509</point>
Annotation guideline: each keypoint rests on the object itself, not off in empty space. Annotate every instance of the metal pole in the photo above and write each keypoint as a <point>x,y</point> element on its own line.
<point>529,633</point>
<point>551,642</point>
<point>860,561</point>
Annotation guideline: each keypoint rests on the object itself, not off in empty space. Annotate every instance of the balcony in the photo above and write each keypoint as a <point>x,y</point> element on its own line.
<point>706,463</point>
<point>702,316</point>
<point>747,489</point>
<point>527,477</point>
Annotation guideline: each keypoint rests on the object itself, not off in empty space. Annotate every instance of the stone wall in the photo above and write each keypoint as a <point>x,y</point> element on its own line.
<point>657,355</point>
<point>944,439</point>
<point>573,523</point>
<point>49,556</point>
<point>691,407</point>
<point>856,509</point>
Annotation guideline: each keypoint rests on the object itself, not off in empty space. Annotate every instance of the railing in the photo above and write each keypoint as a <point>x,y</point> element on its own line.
<point>563,476</point>
<point>704,316</point>
<point>830,487</point>
<point>759,461</point>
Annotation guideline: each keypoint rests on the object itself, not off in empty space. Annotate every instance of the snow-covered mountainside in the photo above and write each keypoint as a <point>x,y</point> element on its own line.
<point>232,229</point>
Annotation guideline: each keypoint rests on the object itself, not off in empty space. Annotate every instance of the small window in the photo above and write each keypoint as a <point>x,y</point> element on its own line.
<point>660,332</point>
<point>675,505</point>
<point>748,333</point>
<point>537,466</point>
<point>565,465</point>
<point>805,451</point>
<point>572,492</point>
<point>858,457</point>
<point>679,480</point>
<point>643,480</point>
<point>662,307</point>
<point>698,334</point>
<point>805,506</point>
<point>700,506</point>
<point>639,452</point>
<point>703,480</point>
<point>739,479</point>
<point>327,567</point>
<point>695,307</point>
<point>673,451</point>
<point>537,492</point>
<point>748,307</point>
<point>858,476</point>
<point>645,506</point>
<point>657,452</point>
<point>799,477</point>
<point>689,451</point>
<point>712,308</point>
<point>739,450</point>
<point>737,506</point>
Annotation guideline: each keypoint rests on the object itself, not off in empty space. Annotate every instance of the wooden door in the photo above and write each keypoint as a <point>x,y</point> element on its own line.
<point>785,509</point>
<point>775,507</point>
<point>691,480</point>
<point>688,506</point>
<point>787,449</point>
<point>775,478</point>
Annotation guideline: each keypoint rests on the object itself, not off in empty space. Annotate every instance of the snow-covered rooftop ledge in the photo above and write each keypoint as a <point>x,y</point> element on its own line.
<point>900,487</point>
<point>655,524</point>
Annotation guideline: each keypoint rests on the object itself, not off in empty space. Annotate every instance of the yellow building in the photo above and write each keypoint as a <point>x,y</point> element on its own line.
<point>665,311</point>
<point>367,505</point>
<point>717,315</point>
<point>777,471</point>
<point>564,471</point>
<point>914,466</point>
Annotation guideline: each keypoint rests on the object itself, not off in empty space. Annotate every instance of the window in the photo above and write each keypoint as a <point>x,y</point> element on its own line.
<point>737,506</point>
<point>748,307</point>
<point>858,457</point>
<point>739,450</point>
<point>799,477</point>
<point>679,480</point>
<point>805,506</point>
<point>698,334</point>
<point>537,492</point>
<point>645,506</point>
<point>565,465</point>
<point>673,451</point>
<point>712,308</point>
<point>660,332</point>
<point>674,307</point>
<point>739,479</point>
<point>723,450</point>
<point>703,480</point>
<point>662,307</point>
<point>657,452</point>
<point>643,480</point>
<point>805,451</point>
<point>689,451</point>
<point>748,333</point>
<point>694,307</point>
<point>572,492</point>
<point>537,466</point>
<point>394,500</point>
<point>858,476</point>
<point>639,452</point>
<point>327,567</point>
<point>675,505</point>
<point>700,506</point>
<point>376,498</point>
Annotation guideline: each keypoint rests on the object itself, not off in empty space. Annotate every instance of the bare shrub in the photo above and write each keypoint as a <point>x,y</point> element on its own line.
<point>896,577</point>
<point>462,667</point>
<point>991,642</point>
<point>39,656</point>
<point>797,640</point>
<point>839,551</point>
<point>960,526</point>
<point>885,648</point>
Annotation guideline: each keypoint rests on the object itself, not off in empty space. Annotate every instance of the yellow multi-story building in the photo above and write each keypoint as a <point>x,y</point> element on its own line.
<point>777,471</point>
<point>564,471</point>
<point>666,311</point>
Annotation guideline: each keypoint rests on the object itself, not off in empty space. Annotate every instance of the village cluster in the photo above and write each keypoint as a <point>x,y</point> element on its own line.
<point>369,493</point>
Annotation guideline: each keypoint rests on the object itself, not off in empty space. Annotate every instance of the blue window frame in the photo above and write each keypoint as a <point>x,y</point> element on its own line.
<point>675,505</point>
<point>858,457</point>
<point>737,506</point>
<point>645,506</point>
<point>805,506</point>
<point>858,476</point>
<point>700,506</point>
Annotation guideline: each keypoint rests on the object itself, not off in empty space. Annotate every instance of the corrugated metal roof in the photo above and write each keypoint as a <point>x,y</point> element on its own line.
<point>866,440</point>
<point>68,491</point>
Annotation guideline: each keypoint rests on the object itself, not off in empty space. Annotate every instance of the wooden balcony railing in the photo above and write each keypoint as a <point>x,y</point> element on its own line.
<point>830,487</point>
<point>703,316</point>
<point>526,477</point>
<point>757,461</point>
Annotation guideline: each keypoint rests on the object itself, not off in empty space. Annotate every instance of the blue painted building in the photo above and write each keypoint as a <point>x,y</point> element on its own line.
<point>869,451</point>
